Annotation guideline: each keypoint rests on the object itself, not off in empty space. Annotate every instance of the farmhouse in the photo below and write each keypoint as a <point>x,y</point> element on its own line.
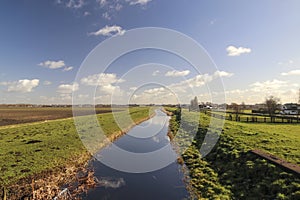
<point>290,109</point>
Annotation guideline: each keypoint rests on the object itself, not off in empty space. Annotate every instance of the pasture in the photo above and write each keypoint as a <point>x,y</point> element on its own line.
<point>33,148</point>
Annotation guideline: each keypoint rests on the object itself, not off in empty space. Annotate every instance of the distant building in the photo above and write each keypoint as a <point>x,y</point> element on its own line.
<point>290,109</point>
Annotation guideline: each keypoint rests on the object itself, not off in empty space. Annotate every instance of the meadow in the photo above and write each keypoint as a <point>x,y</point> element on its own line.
<point>33,148</point>
<point>230,170</point>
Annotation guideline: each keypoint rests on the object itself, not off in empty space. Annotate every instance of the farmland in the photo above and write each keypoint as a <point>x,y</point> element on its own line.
<point>230,171</point>
<point>19,115</point>
<point>34,148</point>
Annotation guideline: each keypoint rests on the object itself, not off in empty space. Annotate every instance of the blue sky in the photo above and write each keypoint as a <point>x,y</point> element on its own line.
<point>254,44</point>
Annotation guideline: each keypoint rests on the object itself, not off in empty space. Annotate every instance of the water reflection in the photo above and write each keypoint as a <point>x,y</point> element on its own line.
<point>146,148</point>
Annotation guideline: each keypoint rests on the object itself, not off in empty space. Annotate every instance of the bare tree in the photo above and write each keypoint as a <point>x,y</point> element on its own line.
<point>236,110</point>
<point>272,104</point>
<point>194,104</point>
<point>242,107</point>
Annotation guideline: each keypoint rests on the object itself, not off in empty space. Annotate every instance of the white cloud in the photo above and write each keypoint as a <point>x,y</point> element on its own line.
<point>66,69</point>
<point>106,16</point>
<point>258,91</point>
<point>118,7</point>
<point>109,30</point>
<point>140,2</point>
<point>133,88</point>
<point>100,79</point>
<point>23,86</point>
<point>71,3</point>
<point>47,83</point>
<point>290,73</point>
<point>67,88</point>
<point>222,74</point>
<point>286,63</point>
<point>155,73</point>
<point>65,96</point>
<point>86,13</point>
<point>194,82</point>
<point>176,73</point>
<point>75,4</point>
<point>177,91</point>
<point>105,82</point>
<point>155,95</point>
<point>102,2</point>
<point>52,64</point>
<point>83,96</point>
<point>110,89</point>
<point>269,85</point>
<point>236,51</point>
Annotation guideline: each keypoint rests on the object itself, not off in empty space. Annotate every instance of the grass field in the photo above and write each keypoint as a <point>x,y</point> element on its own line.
<point>281,140</point>
<point>230,171</point>
<point>37,147</point>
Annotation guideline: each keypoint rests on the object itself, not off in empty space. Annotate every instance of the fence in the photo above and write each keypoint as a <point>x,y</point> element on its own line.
<point>254,118</point>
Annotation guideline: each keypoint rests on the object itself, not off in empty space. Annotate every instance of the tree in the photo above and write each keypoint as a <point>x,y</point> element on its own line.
<point>194,104</point>
<point>242,107</point>
<point>236,110</point>
<point>272,104</point>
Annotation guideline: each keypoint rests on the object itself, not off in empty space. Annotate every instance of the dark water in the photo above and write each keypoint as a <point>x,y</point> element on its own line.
<point>141,165</point>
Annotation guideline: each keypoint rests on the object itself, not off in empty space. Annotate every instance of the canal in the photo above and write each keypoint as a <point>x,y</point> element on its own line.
<point>139,165</point>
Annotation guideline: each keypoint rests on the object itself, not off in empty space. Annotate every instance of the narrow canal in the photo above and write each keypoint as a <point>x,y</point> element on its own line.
<point>153,173</point>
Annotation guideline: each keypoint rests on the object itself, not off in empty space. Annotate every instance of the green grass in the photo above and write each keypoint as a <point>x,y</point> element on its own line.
<point>37,147</point>
<point>230,171</point>
<point>281,140</point>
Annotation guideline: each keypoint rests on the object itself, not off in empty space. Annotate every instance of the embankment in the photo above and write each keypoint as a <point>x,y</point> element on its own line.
<point>231,171</point>
<point>35,183</point>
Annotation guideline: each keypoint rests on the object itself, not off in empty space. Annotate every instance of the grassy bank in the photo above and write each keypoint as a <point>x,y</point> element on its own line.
<point>39,147</point>
<point>230,171</point>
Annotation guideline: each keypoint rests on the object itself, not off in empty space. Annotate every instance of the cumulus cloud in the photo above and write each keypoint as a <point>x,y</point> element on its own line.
<point>50,64</point>
<point>270,85</point>
<point>176,73</point>
<point>155,73</point>
<point>222,74</point>
<point>155,95</point>
<point>102,2</point>
<point>71,3</point>
<point>23,86</point>
<point>105,82</point>
<point>291,73</point>
<point>111,89</point>
<point>106,15</point>
<point>258,91</point>
<point>100,79</point>
<point>140,2</point>
<point>67,88</point>
<point>67,69</point>
<point>86,13</point>
<point>133,88</point>
<point>194,82</point>
<point>236,51</point>
<point>180,90</point>
<point>109,31</point>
